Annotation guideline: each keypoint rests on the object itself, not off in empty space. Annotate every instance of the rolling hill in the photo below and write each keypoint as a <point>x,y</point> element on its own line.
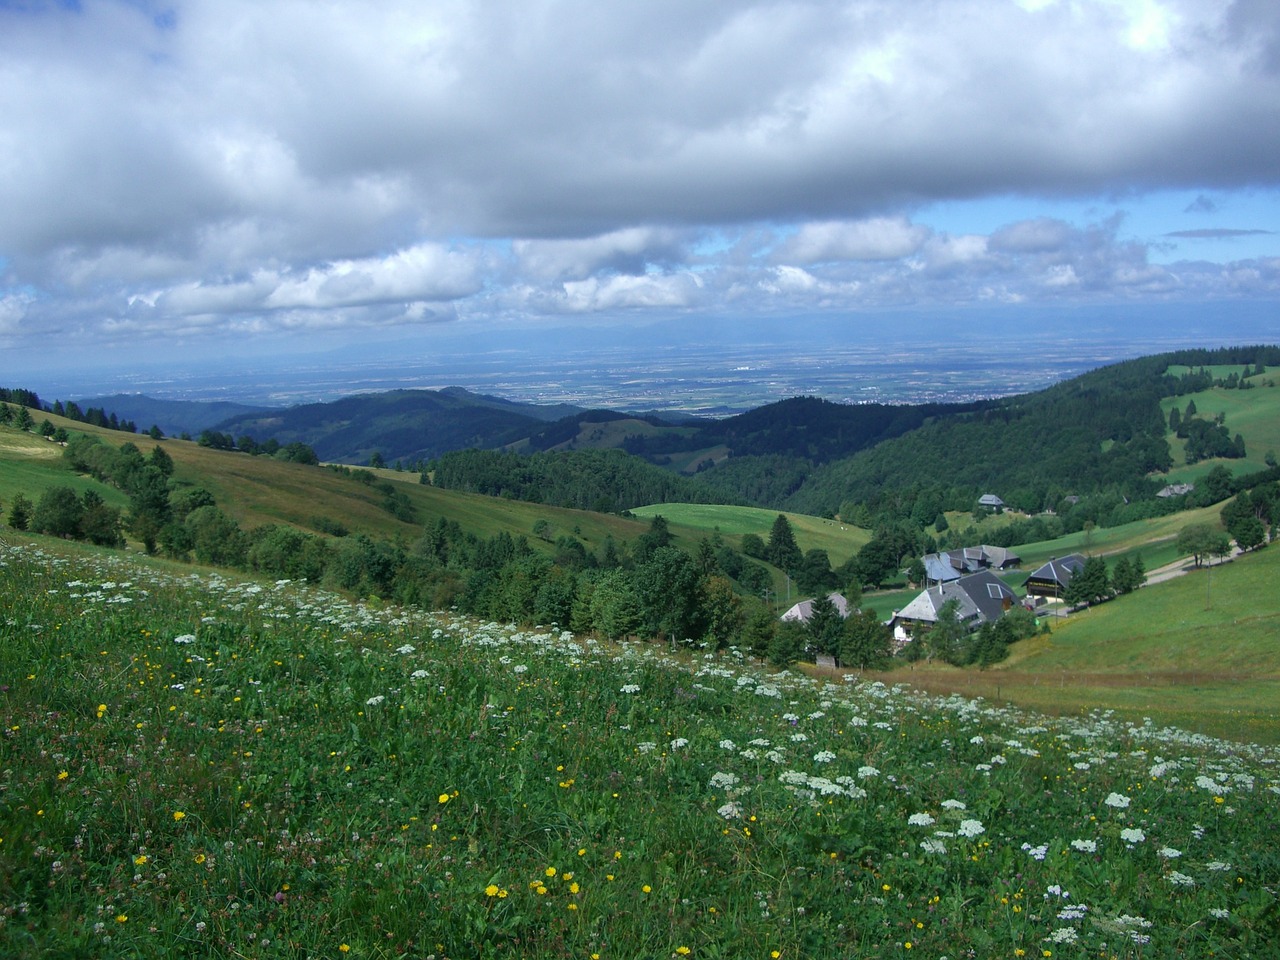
<point>405,425</point>
<point>1200,650</point>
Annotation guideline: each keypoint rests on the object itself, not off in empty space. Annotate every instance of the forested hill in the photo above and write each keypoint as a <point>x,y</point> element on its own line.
<point>805,428</point>
<point>1102,430</point>
<point>606,481</point>
<point>408,425</point>
<point>174,417</point>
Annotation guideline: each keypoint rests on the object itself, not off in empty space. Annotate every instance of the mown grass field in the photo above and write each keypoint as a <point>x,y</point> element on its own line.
<point>840,540</point>
<point>197,765</point>
<point>1254,414</point>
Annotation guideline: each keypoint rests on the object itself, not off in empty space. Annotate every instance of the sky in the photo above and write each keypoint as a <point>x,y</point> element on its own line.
<point>233,179</point>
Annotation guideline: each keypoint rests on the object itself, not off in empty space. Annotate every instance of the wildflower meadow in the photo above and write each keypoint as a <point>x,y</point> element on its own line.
<point>195,765</point>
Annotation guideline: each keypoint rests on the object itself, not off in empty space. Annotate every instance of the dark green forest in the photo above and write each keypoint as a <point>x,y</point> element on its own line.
<point>1085,448</point>
<point>606,481</point>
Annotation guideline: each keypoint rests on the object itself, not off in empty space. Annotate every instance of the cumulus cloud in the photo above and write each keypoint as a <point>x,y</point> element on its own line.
<point>875,238</point>
<point>286,164</point>
<point>626,292</point>
<point>631,251</point>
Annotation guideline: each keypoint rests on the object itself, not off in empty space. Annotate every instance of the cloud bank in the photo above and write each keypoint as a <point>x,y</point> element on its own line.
<point>202,167</point>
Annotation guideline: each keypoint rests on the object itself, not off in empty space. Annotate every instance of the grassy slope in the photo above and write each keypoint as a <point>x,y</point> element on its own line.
<point>1201,651</point>
<point>1098,669</point>
<point>841,541</point>
<point>1254,414</point>
<point>260,490</point>
<point>202,766</point>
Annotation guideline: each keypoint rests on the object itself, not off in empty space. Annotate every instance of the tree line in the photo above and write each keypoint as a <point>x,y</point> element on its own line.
<point>605,481</point>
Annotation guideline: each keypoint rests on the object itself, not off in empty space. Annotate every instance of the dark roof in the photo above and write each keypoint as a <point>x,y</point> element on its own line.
<point>1058,570</point>
<point>988,593</point>
<point>981,597</point>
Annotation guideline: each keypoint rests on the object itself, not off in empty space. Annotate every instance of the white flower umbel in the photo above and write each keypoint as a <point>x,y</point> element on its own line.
<point>971,828</point>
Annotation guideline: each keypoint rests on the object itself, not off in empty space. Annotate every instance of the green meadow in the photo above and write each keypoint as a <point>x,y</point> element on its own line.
<point>201,765</point>
<point>1254,414</point>
<point>840,540</point>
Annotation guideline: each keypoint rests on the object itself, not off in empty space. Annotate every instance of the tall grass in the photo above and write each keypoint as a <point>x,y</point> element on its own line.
<point>195,765</point>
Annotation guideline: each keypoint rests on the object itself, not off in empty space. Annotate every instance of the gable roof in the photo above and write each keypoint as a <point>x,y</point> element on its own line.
<point>990,500</point>
<point>979,597</point>
<point>1059,570</point>
<point>953,564</point>
<point>803,611</point>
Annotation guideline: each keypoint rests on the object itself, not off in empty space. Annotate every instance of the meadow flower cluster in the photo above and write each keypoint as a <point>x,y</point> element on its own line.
<point>201,766</point>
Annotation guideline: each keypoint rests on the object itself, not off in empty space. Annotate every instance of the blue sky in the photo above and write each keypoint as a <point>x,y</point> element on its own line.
<point>195,179</point>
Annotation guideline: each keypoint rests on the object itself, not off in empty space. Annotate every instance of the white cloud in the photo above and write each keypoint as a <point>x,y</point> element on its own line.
<point>626,292</point>
<point>423,272</point>
<point>628,251</point>
<point>264,166</point>
<point>876,238</point>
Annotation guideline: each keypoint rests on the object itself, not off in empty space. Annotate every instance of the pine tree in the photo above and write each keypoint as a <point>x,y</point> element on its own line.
<point>20,513</point>
<point>782,550</point>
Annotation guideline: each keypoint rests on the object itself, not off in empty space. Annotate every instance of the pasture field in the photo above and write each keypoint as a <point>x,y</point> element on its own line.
<point>840,540</point>
<point>198,765</point>
<point>1254,414</point>
<point>260,490</point>
<point>1200,651</point>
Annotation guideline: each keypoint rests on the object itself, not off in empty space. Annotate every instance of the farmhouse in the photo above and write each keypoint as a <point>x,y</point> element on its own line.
<point>954,564</point>
<point>1051,579</point>
<point>803,611</point>
<point>991,501</point>
<point>980,598</point>
<point>1176,490</point>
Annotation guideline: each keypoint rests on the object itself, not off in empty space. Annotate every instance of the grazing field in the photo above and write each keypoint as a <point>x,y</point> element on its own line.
<point>840,540</point>
<point>196,765</point>
<point>256,491</point>
<point>1254,414</point>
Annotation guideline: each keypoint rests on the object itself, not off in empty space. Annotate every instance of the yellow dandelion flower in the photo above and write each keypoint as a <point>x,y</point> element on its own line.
<point>646,889</point>
<point>122,918</point>
<point>550,871</point>
<point>140,859</point>
<point>573,887</point>
<point>178,815</point>
<point>344,948</point>
<point>683,951</point>
<point>491,890</point>
<point>62,775</point>
<point>199,858</point>
<point>444,798</point>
